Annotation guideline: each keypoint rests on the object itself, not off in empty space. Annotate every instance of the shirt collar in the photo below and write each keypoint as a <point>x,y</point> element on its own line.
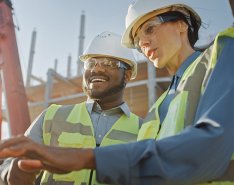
<point>89,105</point>
<point>187,63</point>
<point>94,106</point>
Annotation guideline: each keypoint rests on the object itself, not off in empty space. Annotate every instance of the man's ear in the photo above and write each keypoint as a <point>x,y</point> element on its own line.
<point>128,74</point>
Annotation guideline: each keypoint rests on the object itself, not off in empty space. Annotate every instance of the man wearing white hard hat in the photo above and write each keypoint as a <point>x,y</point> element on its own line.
<point>190,128</point>
<point>104,119</point>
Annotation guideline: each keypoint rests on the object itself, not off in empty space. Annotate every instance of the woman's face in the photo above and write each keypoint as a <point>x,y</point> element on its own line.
<point>159,42</point>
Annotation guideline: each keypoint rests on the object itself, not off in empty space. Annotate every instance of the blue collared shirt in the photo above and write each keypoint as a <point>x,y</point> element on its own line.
<point>163,108</point>
<point>102,121</point>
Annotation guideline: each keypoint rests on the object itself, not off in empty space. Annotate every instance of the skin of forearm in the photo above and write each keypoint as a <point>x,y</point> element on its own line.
<point>89,159</point>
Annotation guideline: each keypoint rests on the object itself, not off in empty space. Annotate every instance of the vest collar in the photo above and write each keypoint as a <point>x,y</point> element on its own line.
<point>187,63</point>
<point>94,106</point>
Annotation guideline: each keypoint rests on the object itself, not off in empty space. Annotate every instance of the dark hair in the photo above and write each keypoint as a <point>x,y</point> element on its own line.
<point>190,20</point>
<point>126,66</point>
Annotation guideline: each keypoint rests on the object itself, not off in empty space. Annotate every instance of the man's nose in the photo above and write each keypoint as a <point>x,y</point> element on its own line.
<point>97,67</point>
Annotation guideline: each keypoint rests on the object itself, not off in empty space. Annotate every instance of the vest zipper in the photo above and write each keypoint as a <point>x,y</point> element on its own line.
<point>91,177</point>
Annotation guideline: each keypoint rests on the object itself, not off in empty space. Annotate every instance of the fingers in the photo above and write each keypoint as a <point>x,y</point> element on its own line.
<point>53,159</point>
<point>16,176</point>
<point>20,146</point>
<point>12,141</point>
<point>30,165</point>
<point>9,152</point>
<point>35,165</point>
<point>8,147</point>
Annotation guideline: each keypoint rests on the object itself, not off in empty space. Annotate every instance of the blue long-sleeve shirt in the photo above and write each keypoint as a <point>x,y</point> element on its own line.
<point>200,153</point>
<point>163,108</point>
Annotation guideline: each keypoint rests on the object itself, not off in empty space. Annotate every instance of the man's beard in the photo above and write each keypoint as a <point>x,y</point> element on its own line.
<point>108,92</point>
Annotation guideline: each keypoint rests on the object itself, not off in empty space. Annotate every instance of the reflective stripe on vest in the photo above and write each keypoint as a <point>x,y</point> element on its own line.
<point>182,109</point>
<point>71,126</point>
<point>215,53</point>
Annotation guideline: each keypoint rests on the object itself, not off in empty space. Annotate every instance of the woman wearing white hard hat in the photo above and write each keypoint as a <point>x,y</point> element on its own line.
<point>190,128</point>
<point>165,31</point>
<point>191,124</point>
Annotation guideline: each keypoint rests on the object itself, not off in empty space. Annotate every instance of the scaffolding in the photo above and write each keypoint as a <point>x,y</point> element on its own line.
<point>140,93</point>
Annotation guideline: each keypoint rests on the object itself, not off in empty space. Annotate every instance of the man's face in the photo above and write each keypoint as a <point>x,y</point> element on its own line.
<point>159,42</point>
<point>103,77</point>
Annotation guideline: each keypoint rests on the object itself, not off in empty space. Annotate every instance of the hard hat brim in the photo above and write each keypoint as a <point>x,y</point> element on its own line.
<point>127,38</point>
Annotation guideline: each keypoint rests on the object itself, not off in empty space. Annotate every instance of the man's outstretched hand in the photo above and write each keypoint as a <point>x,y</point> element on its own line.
<point>34,156</point>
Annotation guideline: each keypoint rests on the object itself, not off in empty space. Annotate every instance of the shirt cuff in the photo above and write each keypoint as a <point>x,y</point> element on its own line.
<point>112,164</point>
<point>208,121</point>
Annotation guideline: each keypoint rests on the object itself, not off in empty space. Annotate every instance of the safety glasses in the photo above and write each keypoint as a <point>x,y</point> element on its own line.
<point>147,29</point>
<point>106,63</point>
<point>150,27</point>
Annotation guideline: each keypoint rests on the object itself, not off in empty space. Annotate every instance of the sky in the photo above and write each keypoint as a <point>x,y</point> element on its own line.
<point>57,23</point>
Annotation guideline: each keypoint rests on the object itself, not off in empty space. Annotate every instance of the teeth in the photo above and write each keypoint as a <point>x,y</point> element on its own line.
<point>98,80</point>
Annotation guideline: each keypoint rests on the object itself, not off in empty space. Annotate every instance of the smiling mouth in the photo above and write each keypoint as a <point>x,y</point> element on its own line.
<point>97,80</point>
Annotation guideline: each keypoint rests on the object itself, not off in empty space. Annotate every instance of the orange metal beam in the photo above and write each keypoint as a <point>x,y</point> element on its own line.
<point>16,100</point>
<point>0,108</point>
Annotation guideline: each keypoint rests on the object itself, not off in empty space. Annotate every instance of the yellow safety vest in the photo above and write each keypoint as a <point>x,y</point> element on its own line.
<point>71,126</point>
<point>182,109</point>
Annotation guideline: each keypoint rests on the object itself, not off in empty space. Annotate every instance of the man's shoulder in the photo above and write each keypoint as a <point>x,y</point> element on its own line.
<point>64,107</point>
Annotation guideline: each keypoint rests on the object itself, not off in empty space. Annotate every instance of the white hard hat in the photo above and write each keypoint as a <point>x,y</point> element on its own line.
<point>142,10</point>
<point>108,44</point>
